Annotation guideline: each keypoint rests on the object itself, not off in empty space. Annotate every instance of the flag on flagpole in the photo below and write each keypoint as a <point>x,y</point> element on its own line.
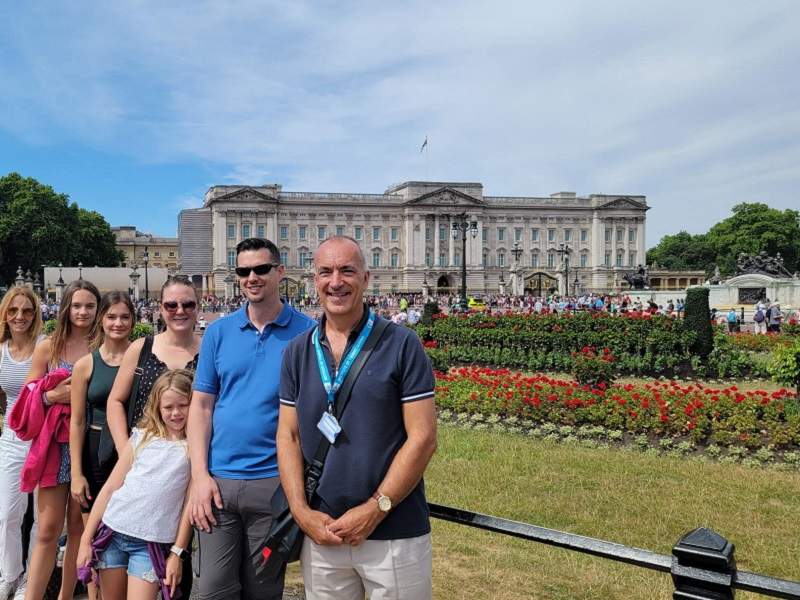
<point>424,144</point>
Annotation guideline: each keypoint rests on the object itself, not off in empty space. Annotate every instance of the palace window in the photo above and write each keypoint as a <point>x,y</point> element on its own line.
<point>395,233</point>
<point>534,235</point>
<point>568,235</point>
<point>231,257</point>
<point>607,259</point>
<point>376,259</point>
<point>631,235</point>
<point>245,230</point>
<point>442,232</point>
<point>608,235</point>
<point>620,256</point>
<point>231,231</point>
<point>376,234</point>
<point>501,234</point>
<point>457,259</point>
<point>620,235</point>
<point>501,259</point>
<point>518,234</point>
<point>395,259</point>
<point>428,259</point>
<point>551,235</point>
<point>340,230</point>
<point>442,259</point>
<point>584,259</point>
<point>485,234</point>
<point>284,257</point>
<point>284,232</point>
<point>321,232</point>
<point>551,260</point>
<point>632,259</point>
<point>534,259</point>
<point>584,235</point>
<point>301,232</point>
<point>428,234</point>
<point>485,259</point>
<point>358,233</point>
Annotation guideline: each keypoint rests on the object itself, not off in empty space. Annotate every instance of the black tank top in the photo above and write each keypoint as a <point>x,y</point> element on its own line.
<point>100,383</point>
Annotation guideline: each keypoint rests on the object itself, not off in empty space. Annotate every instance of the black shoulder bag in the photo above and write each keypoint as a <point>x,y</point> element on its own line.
<point>106,451</point>
<point>285,538</point>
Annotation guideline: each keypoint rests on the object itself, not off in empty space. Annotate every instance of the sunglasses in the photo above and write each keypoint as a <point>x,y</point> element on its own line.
<point>13,311</point>
<point>189,306</point>
<point>258,269</point>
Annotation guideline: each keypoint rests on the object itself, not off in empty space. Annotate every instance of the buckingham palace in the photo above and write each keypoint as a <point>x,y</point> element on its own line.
<point>410,237</point>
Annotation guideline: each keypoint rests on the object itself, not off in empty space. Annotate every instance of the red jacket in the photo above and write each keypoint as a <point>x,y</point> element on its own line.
<point>47,426</point>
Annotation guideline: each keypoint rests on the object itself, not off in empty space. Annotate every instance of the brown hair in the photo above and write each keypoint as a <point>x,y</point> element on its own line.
<point>108,300</point>
<point>178,280</point>
<point>36,326</point>
<point>58,341</point>
<point>178,380</point>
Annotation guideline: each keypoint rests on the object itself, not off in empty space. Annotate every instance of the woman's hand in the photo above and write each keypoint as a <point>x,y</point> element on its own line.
<point>174,572</point>
<point>61,393</point>
<point>84,554</point>
<point>80,491</point>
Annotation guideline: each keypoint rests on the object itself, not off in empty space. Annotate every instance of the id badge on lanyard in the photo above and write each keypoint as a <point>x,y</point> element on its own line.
<point>328,424</point>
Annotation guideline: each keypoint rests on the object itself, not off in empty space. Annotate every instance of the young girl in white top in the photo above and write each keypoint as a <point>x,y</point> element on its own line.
<point>137,514</point>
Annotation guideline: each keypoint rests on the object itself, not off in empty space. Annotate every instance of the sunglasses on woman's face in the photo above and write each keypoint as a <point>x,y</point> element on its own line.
<point>173,306</point>
<point>258,269</point>
<point>13,311</point>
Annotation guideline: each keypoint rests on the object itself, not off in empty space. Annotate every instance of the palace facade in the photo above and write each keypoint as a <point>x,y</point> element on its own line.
<point>407,236</point>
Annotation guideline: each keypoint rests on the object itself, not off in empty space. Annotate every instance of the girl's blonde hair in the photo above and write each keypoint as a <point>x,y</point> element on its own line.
<point>178,380</point>
<point>35,328</point>
<point>108,300</point>
<point>58,341</point>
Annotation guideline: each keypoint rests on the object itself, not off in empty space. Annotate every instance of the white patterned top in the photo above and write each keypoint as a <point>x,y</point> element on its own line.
<point>149,502</point>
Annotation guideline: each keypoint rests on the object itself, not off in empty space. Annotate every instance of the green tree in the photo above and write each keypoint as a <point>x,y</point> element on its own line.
<point>753,227</point>
<point>683,251</point>
<point>40,226</point>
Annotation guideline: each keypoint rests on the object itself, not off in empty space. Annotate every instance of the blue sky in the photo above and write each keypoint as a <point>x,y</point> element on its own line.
<point>136,108</point>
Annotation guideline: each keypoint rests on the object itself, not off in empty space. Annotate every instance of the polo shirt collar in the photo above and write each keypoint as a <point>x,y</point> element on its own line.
<point>355,331</point>
<point>282,320</point>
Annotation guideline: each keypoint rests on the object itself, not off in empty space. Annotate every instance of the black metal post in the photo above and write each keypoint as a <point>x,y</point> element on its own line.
<point>461,224</point>
<point>703,566</point>
<point>146,258</point>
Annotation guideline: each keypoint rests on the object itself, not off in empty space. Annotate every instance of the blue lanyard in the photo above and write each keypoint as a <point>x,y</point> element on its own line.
<point>331,388</point>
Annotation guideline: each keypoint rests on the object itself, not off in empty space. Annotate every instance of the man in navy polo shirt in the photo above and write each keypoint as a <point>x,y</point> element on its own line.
<point>369,531</point>
<point>231,430</point>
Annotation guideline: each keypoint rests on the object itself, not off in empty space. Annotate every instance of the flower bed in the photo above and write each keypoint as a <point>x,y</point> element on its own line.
<point>759,343</point>
<point>640,343</point>
<point>702,415</point>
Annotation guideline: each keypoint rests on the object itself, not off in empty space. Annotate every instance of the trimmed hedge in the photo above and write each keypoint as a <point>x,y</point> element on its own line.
<point>698,319</point>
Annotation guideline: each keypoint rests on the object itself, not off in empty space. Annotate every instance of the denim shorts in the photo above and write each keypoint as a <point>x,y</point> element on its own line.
<point>125,551</point>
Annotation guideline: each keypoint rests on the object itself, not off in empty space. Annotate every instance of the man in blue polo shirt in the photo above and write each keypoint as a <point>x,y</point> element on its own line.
<point>369,531</point>
<point>231,430</point>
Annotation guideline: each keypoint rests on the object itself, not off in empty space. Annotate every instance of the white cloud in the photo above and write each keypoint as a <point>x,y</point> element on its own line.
<point>678,102</point>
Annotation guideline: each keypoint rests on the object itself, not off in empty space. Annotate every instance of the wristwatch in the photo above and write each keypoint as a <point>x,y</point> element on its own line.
<point>384,502</point>
<point>179,552</point>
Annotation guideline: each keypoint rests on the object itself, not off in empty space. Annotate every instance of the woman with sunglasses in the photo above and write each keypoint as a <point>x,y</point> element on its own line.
<point>20,328</point>
<point>176,347</point>
<point>69,343</point>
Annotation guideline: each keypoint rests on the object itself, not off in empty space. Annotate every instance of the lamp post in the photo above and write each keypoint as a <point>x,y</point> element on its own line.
<point>60,285</point>
<point>135,283</point>
<point>145,260</point>
<point>461,224</point>
<point>564,251</point>
<point>80,270</point>
<point>19,280</point>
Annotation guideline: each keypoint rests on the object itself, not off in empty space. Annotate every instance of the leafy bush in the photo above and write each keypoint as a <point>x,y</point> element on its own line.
<point>785,365</point>
<point>141,330</point>
<point>593,368</point>
<point>698,320</point>
<point>49,326</point>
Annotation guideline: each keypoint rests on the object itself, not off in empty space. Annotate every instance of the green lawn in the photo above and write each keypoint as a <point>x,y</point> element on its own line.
<point>614,494</point>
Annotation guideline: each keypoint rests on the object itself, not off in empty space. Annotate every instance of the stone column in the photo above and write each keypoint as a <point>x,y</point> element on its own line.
<point>436,240</point>
<point>219,226</point>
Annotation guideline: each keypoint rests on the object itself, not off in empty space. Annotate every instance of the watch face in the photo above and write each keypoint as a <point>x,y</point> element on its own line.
<point>384,503</point>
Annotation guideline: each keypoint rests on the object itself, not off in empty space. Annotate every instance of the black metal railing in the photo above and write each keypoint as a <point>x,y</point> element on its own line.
<point>702,563</point>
